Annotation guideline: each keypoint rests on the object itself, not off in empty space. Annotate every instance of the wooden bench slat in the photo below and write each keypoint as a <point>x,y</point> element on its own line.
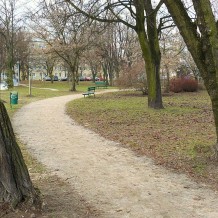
<point>101,84</point>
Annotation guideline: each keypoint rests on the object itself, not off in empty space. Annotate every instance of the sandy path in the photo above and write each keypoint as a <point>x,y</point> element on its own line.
<point>109,177</point>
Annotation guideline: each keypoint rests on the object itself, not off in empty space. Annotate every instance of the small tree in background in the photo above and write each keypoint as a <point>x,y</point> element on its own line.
<point>133,76</point>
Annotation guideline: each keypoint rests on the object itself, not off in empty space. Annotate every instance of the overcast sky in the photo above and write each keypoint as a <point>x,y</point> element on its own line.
<point>27,5</point>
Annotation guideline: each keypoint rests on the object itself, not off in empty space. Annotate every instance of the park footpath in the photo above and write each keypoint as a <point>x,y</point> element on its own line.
<point>109,177</point>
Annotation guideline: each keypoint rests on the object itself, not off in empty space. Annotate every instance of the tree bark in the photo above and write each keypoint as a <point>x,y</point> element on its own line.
<point>215,113</point>
<point>150,50</point>
<point>15,183</point>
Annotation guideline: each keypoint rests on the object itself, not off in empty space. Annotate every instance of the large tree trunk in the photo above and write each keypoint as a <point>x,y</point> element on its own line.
<point>150,50</point>
<point>15,183</point>
<point>74,72</point>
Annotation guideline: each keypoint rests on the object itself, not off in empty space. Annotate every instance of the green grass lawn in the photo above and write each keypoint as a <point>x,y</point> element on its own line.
<point>179,137</point>
<point>39,90</point>
<point>60,85</point>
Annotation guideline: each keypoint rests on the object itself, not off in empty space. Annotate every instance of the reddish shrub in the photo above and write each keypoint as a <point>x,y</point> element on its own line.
<point>183,84</point>
<point>176,85</point>
<point>190,85</point>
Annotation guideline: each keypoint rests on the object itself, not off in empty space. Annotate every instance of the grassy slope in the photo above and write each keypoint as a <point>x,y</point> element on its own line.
<point>179,137</point>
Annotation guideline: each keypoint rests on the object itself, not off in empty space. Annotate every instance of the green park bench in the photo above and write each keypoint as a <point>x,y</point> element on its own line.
<point>100,84</point>
<point>90,91</point>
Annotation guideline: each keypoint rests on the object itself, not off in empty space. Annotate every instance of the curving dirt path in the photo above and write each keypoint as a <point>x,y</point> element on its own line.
<point>109,177</point>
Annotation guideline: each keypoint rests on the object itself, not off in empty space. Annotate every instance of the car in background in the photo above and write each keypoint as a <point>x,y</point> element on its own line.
<point>3,85</point>
<point>87,78</point>
<point>63,78</point>
<point>47,78</point>
<point>55,78</point>
<point>96,78</point>
<point>82,78</point>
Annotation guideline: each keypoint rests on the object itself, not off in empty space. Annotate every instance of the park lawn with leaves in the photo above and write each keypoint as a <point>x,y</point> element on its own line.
<point>179,137</point>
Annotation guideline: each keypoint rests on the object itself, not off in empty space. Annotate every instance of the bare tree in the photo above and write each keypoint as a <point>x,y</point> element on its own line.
<point>117,47</point>
<point>49,64</point>
<point>21,54</point>
<point>172,47</point>
<point>66,33</point>
<point>93,59</point>
<point>8,29</point>
<point>2,53</point>
<point>142,17</point>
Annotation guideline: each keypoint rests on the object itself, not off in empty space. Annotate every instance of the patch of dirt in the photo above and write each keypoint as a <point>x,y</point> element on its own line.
<point>59,200</point>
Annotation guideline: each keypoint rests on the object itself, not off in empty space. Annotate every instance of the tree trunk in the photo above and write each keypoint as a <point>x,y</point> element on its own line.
<point>151,53</point>
<point>73,85</point>
<point>154,86</point>
<point>73,80</point>
<point>15,183</point>
<point>167,89</point>
<point>105,72</point>
<point>9,80</point>
<point>215,113</point>
<point>110,74</point>
<point>74,72</point>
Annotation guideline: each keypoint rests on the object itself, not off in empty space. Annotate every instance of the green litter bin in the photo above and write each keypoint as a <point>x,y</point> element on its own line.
<point>14,97</point>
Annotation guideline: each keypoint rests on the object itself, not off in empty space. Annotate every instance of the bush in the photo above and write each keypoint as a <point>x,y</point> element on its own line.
<point>190,85</point>
<point>183,85</point>
<point>133,77</point>
<point>176,85</point>
<point>142,86</point>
